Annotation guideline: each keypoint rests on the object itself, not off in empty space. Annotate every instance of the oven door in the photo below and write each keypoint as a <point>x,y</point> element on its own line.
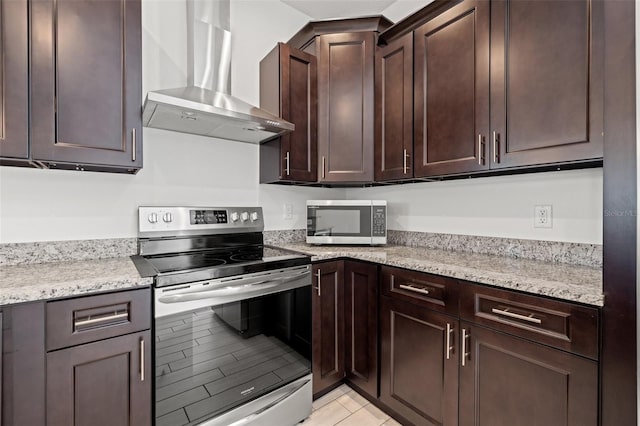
<point>235,350</point>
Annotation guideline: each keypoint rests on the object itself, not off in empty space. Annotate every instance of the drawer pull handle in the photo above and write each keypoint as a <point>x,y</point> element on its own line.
<point>506,313</point>
<point>414,289</point>
<point>105,319</point>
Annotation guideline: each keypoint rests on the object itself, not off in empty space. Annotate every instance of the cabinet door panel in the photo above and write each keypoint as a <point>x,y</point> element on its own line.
<point>345,107</point>
<point>394,110</point>
<point>509,381</point>
<point>546,81</point>
<point>417,379</point>
<point>299,106</point>
<point>328,325</point>
<point>452,91</point>
<point>14,112</point>
<point>361,325</point>
<point>100,383</point>
<point>86,90</point>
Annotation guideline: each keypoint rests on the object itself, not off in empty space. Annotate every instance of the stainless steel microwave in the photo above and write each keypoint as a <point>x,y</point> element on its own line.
<point>347,222</point>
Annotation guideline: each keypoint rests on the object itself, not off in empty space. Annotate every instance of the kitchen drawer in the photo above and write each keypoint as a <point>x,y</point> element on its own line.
<point>431,291</point>
<point>563,325</point>
<point>87,319</point>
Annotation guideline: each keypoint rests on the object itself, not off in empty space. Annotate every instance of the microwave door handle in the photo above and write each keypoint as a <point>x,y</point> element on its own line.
<point>230,290</point>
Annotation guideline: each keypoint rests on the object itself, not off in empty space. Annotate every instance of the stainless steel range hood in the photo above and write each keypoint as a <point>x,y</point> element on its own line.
<point>205,107</point>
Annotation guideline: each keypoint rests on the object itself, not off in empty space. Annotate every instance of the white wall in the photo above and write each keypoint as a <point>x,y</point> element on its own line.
<point>45,205</point>
<point>499,206</point>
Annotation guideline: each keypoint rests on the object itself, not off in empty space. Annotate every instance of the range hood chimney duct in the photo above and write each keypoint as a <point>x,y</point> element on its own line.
<point>205,107</point>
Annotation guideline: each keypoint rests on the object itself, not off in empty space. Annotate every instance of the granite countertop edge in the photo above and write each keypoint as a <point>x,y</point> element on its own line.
<point>50,281</point>
<point>550,287</point>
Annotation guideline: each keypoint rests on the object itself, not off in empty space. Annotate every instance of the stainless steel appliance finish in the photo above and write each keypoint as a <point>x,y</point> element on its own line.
<point>358,222</point>
<point>205,106</point>
<point>232,318</point>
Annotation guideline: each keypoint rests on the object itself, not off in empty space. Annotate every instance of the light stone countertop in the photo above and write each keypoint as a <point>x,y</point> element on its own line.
<point>26,283</point>
<point>562,281</point>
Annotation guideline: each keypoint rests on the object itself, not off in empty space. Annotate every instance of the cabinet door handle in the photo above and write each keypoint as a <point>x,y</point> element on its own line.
<point>318,277</point>
<point>142,360</point>
<point>323,167</point>
<point>509,314</point>
<point>463,351</point>
<point>405,158</point>
<point>449,346</point>
<point>133,144</point>
<point>414,289</point>
<point>286,159</point>
<point>480,151</point>
<point>496,147</point>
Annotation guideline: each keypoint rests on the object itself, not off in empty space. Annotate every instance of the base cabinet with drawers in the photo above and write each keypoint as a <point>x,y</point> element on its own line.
<point>99,360</point>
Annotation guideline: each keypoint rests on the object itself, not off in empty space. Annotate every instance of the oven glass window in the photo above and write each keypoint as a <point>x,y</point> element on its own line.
<point>214,359</point>
<point>339,221</point>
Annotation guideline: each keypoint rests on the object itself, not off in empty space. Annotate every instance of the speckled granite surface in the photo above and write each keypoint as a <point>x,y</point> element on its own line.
<point>279,237</point>
<point>25,283</point>
<point>569,282</point>
<point>544,251</point>
<point>64,251</point>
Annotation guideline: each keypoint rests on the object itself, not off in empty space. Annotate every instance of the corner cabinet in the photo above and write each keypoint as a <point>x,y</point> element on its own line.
<point>345,107</point>
<point>99,360</point>
<point>288,89</point>
<point>86,87</point>
<point>14,89</point>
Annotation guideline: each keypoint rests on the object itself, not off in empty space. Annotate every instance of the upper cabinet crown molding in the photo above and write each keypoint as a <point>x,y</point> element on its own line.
<point>307,34</point>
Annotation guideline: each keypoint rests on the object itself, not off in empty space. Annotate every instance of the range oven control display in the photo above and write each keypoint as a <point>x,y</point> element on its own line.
<point>207,217</point>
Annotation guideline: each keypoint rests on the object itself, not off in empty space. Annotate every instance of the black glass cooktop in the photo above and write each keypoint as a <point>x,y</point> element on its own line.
<point>178,268</point>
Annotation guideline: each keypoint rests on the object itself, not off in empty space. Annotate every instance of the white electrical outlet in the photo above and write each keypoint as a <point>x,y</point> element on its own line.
<point>543,216</point>
<point>288,211</point>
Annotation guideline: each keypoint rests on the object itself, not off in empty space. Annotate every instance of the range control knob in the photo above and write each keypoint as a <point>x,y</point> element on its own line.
<point>234,217</point>
<point>254,216</point>
<point>153,218</point>
<point>168,217</point>
<point>244,216</point>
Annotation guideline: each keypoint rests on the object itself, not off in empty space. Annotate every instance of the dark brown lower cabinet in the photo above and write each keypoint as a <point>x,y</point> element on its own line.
<point>105,383</point>
<point>509,381</point>
<point>419,363</point>
<point>22,364</point>
<point>361,325</point>
<point>328,325</point>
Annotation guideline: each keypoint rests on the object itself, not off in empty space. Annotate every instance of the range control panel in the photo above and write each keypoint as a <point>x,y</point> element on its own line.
<point>175,221</point>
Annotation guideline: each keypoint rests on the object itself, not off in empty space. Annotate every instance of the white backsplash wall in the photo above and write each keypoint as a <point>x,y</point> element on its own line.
<point>500,206</point>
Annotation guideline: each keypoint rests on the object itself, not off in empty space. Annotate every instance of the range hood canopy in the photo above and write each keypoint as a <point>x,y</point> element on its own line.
<point>205,106</point>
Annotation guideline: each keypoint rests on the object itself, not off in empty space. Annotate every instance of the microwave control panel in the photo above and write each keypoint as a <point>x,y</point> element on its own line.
<point>379,221</point>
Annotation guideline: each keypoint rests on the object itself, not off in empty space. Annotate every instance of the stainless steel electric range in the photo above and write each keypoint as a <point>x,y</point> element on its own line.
<point>232,318</point>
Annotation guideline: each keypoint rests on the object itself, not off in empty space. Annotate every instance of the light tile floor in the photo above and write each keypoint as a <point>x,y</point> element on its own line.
<point>345,407</point>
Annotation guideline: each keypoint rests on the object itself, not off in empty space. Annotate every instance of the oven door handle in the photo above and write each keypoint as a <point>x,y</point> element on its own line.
<point>230,290</point>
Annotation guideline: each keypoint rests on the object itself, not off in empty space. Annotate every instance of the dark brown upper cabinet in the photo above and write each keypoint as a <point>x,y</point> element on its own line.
<point>86,86</point>
<point>451,91</point>
<point>14,89</point>
<point>345,107</point>
<point>288,88</point>
<point>394,110</point>
<point>546,81</point>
